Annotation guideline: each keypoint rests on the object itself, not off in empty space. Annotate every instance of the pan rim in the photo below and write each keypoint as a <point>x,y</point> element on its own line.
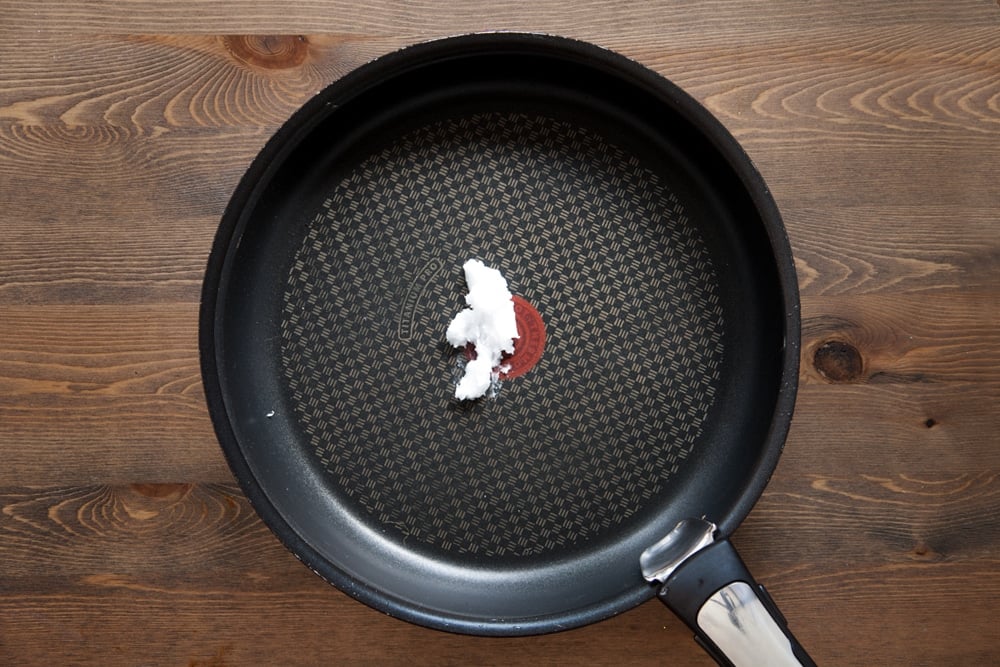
<point>270,158</point>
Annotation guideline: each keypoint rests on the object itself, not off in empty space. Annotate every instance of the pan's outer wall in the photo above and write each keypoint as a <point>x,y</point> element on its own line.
<point>340,92</point>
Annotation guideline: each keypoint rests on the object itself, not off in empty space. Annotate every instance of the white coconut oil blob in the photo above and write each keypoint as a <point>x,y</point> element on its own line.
<point>488,323</point>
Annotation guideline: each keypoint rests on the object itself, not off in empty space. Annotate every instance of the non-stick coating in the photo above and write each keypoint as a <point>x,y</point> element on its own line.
<point>620,210</point>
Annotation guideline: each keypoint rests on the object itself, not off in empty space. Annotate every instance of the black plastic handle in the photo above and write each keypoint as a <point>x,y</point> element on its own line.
<point>733,617</point>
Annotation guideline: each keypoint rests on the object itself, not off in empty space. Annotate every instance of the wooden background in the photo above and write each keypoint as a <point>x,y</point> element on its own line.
<point>124,128</point>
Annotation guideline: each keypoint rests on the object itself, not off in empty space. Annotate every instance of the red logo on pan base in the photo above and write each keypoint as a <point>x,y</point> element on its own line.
<point>528,346</point>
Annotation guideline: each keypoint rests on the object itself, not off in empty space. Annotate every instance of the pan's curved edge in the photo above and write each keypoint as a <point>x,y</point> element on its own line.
<point>744,167</point>
<point>284,140</point>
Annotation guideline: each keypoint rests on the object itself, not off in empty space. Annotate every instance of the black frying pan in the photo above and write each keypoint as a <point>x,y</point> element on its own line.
<point>636,227</point>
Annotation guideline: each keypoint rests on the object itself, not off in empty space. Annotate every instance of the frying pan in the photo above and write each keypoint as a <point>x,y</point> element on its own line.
<point>662,361</point>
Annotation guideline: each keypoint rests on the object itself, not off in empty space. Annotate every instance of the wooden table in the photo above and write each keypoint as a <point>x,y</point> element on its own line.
<point>124,128</point>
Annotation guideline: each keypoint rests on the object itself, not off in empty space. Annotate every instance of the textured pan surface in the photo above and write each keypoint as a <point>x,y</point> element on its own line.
<point>582,230</point>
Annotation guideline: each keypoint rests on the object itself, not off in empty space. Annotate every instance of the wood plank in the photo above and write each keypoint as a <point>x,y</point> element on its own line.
<point>317,627</point>
<point>911,84</point>
<point>928,338</point>
<point>141,524</point>
<point>88,350</point>
<point>109,174</point>
<point>130,258</point>
<point>871,175</point>
<point>901,520</point>
<point>154,83</point>
<point>920,81</point>
<point>122,384</point>
<point>193,174</point>
<point>589,17</point>
<point>83,439</point>
<point>881,429</point>
<point>169,557</point>
<point>152,350</point>
<point>852,250</point>
<point>894,250</point>
<point>104,392</point>
<point>887,429</point>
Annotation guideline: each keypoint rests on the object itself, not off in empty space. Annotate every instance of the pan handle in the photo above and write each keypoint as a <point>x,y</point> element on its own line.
<point>710,588</point>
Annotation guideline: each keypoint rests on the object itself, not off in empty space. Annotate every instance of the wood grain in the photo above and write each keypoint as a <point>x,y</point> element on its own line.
<point>124,129</point>
<point>104,393</point>
<point>906,249</point>
<point>152,83</point>
<point>921,84</point>
<point>67,258</point>
<point>802,107</point>
<point>902,520</point>
<point>590,17</point>
<point>122,384</point>
<point>193,173</point>
<point>71,260</point>
<point>106,350</point>
<point>196,556</point>
<point>108,174</point>
<point>49,439</point>
<point>909,339</point>
<point>918,81</point>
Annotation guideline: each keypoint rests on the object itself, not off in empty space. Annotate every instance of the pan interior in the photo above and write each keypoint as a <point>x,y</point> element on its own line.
<point>606,253</point>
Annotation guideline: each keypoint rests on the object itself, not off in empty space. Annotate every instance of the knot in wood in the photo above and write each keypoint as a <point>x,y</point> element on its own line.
<point>838,361</point>
<point>268,51</point>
